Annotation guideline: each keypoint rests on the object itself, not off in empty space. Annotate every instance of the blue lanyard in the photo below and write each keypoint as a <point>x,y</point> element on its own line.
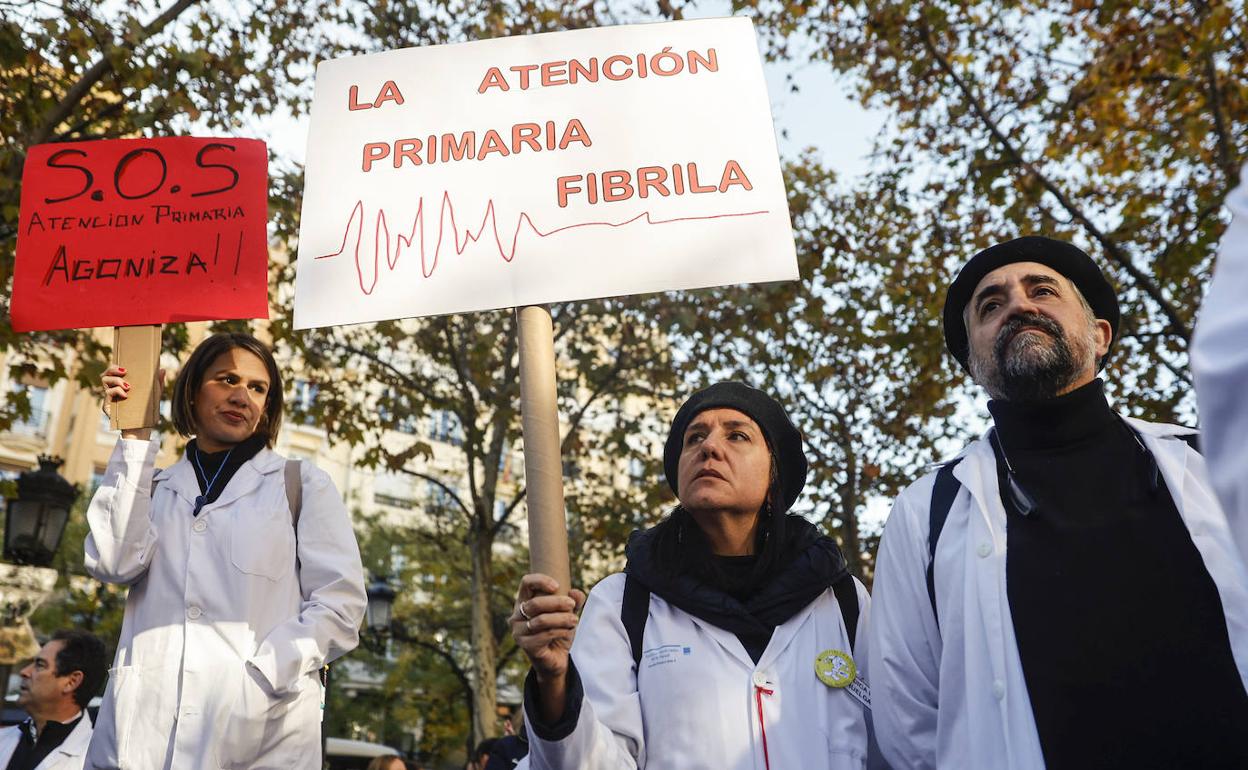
<point>201,499</point>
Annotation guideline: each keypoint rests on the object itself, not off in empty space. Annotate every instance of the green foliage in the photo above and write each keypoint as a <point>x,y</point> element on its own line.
<point>1119,126</point>
<point>426,668</point>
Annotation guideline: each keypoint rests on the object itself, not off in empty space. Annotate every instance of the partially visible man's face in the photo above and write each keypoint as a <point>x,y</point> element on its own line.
<point>1030,335</point>
<point>41,687</point>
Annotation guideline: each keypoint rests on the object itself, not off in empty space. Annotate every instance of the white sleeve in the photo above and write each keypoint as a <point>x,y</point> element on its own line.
<point>903,639</point>
<point>122,540</point>
<point>608,730</point>
<point>1219,360</point>
<point>862,656</point>
<point>331,580</point>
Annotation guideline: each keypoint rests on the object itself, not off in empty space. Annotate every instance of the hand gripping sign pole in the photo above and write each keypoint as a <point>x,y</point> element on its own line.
<point>543,465</point>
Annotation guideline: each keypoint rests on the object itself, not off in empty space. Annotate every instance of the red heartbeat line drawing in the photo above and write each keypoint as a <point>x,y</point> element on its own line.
<point>381,234</point>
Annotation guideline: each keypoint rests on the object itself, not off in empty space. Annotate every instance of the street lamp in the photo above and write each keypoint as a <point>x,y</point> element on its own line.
<point>37,516</point>
<point>380,611</point>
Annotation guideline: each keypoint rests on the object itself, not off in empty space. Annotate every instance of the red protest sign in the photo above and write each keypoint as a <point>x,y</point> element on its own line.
<point>122,232</point>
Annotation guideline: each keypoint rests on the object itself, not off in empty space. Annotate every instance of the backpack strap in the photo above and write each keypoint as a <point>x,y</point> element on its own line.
<point>944,491</point>
<point>634,611</point>
<point>294,492</point>
<point>294,498</point>
<point>847,598</point>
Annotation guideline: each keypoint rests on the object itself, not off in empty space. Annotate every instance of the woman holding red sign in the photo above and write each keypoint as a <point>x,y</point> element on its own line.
<point>244,575</point>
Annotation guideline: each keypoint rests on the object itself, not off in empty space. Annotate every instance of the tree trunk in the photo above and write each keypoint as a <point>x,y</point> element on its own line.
<point>849,536</point>
<point>484,647</point>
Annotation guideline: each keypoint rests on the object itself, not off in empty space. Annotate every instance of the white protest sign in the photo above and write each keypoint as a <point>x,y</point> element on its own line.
<point>538,169</point>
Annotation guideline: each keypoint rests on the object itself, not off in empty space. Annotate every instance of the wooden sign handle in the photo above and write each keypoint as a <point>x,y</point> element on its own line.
<point>543,462</point>
<point>137,349</point>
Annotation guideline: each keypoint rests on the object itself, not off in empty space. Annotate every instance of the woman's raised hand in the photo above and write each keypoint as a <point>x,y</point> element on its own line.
<point>117,389</point>
<point>544,623</point>
<point>115,386</point>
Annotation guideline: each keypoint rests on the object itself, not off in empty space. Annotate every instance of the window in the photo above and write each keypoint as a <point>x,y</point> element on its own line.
<point>395,490</point>
<point>438,499</point>
<point>394,410</point>
<point>302,401</point>
<point>37,423</point>
<point>444,425</point>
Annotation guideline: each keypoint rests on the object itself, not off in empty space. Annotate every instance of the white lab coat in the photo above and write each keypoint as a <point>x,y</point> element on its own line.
<point>1219,359</point>
<point>68,756</point>
<point>694,702</point>
<point>955,697</point>
<point>222,638</point>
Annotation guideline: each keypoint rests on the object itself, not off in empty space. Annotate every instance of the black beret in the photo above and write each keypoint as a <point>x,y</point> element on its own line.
<point>783,437</point>
<point>1066,258</point>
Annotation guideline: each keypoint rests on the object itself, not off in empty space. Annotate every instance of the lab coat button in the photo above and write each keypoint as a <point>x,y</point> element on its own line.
<point>998,689</point>
<point>193,612</point>
<point>985,550</point>
<point>199,525</point>
<point>760,679</point>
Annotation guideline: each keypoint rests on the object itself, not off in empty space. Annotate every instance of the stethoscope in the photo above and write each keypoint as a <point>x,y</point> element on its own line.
<point>1026,504</point>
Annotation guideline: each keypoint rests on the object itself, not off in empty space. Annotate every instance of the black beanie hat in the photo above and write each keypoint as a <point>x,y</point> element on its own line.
<point>783,438</point>
<point>1066,258</point>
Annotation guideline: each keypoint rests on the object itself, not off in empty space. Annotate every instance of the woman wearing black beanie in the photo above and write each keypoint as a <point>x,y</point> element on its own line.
<point>728,641</point>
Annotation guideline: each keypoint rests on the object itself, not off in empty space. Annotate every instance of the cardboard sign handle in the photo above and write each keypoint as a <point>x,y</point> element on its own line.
<point>137,349</point>
<point>543,463</point>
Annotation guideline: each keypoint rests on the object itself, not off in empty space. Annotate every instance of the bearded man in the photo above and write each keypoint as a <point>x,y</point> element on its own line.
<point>1066,592</point>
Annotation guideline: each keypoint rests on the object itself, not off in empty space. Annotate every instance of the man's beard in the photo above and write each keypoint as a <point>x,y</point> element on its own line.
<point>1028,367</point>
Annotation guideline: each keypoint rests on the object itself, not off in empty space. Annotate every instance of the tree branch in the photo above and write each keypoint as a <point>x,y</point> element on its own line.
<point>1112,249</point>
<point>443,485</point>
<point>1230,170</point>
<point>60,111</point>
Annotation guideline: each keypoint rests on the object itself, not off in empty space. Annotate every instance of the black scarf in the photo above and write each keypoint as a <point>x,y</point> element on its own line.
<point>809,564</point>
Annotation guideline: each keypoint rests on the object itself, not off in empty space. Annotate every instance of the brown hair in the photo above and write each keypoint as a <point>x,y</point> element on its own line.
<point>384,762</point>
<point>192,377</point>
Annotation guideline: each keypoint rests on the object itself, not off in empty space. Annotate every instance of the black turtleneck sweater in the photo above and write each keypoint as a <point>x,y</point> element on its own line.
<point>213,470</point>
<point>1120,628</point>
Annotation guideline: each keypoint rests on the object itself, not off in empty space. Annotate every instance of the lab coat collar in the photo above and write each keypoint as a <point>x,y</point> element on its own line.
<point>787,631</point>
<point>726,639</point>
<point>180,477</point>
<point>75,744</point>
<point>250,475</point>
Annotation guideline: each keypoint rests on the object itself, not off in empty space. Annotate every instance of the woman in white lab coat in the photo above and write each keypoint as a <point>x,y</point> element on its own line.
<point>740,652</point>
<point>244,575</point>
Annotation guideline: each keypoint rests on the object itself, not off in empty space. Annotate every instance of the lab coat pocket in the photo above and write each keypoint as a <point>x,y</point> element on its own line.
<point>246,724</point>
<point>263,544</point>
<point>126,683</point>
<point>847,749</point>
